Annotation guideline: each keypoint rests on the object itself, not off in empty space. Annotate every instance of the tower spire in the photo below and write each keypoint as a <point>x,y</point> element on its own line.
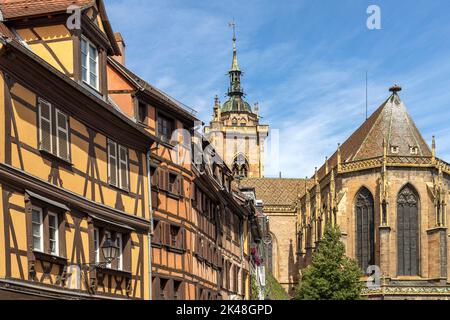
<point>234,64</point>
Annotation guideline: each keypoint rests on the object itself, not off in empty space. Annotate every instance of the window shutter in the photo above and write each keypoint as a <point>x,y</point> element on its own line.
<point>45,126</point>
<point>181,239</point>
<point>157,232</point>
<point>112,165</point>
<point>166,180</point>
<point>155,178</point>
<point>180,185</point>
<point>62,135</point>
<point>161,178</point>
<point>123,167</point>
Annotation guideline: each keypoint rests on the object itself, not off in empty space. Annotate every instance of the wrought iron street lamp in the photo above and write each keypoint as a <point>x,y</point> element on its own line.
<point>110,251</point>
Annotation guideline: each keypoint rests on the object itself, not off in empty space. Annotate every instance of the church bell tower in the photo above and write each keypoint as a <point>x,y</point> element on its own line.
<point>235,130</point>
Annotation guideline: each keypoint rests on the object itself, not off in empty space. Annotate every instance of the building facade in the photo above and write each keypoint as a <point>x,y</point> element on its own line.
<point>93,154</point>
<point>235,130</point>
<point>73,170</point>
<point>388,192</point>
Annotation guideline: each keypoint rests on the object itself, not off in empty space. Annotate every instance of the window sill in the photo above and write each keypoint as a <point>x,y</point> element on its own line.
<point>157,245</point>
<point>175,250</point>
<point>126,191</point>
<point>173,195</point>
<point>121,273</point>
<point>55,157</point>
<point>50,258</point>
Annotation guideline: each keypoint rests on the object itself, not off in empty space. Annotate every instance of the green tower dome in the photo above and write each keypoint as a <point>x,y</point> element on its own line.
<point>236,104</point>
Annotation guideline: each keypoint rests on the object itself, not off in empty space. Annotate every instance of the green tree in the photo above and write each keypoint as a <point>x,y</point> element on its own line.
<point>274,290</point>
<point>332,275</point>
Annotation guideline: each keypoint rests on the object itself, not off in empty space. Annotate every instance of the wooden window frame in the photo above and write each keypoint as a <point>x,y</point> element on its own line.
<point>66,131</point>
<point>44,252</point>
<point>54,130</point>
<point>41,228</point>
<point>87,81</point>
<point>118,162</point>
<point>56,216</point>
<point>170,126</point>
<point>40,118</point>
<point>119,243</point>
<point>96,245</point>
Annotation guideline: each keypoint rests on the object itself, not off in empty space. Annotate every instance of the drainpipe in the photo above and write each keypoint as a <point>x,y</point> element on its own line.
<point>150,235</point>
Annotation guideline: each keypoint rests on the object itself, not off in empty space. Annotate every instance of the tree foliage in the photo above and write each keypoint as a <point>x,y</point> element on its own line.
<point>332,275</point>
<point>274,290</point>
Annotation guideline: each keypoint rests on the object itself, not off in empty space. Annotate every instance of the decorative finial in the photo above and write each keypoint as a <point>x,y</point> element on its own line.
<point>433,148</point>
<point>232,24</point>
<point>326,165</point>
<point>216,100</point>
<point>395,89</point>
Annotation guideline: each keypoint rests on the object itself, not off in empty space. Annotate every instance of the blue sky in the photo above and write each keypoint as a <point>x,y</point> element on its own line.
<point>304,62</point>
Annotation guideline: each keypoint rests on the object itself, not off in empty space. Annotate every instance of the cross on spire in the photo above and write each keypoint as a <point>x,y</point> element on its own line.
<point>232,24</point>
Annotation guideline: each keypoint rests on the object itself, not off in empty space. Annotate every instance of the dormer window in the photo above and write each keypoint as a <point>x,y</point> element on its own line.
<point>394,149</point>
<point>413,150</point>
<point>142,112</point>
<point>89,64</point>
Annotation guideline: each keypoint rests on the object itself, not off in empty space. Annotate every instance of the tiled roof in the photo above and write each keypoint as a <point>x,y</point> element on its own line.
<point>22,8</point>
<point>277,192</point>
<point>390,122</point>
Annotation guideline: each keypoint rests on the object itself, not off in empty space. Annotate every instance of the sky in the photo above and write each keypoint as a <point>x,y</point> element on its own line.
<point>304,62</point>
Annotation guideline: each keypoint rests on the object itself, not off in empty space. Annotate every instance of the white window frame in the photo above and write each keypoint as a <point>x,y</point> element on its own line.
<point>88,65</point>
<point>97,245</point>
<point>120,162</point>
<point>41,228</point>
<point>119,242</point>
<point>66,131</point>
<point>51,214</point>
<point>106,235</point>
<point>42,101</point>
<point>109,163</point>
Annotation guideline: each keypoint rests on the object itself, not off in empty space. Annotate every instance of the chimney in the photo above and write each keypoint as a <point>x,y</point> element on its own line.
<point>122,46</point>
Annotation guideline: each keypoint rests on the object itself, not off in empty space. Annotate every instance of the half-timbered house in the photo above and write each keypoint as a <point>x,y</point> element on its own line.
<point>73,167</point>
<point>199,227</point>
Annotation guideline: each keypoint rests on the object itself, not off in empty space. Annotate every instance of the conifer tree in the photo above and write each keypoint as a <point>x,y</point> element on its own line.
<point>332,275</point>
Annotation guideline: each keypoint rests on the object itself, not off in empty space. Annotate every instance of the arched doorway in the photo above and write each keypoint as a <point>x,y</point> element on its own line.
<point>408,232</point>
<point>365,229</point>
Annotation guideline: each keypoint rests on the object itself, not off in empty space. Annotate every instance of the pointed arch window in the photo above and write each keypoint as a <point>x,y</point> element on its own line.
<point>408,232</point>
<point>365,229</point>
<point>240,166</point>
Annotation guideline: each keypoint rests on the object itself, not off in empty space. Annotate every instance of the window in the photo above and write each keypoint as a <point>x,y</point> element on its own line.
<point>45,126</point>
<point>123,167</point>
<point>178,290</point>
<point>62,135</point>
<point>408,241</point>
<point>234,122</point>
<point>53,233</point>
<point>118,165</point>
<point>89,63</point>
<point>37,230</point>
<point>413,150</point>
<point>365,229</point>
<point>142,112</point>
<point>175,184</point>
<point>394,149</point>
<point>164,289</point>
<point>120,245</point>
<point>97,245</point>
<point>165,128</point>
<point>49,118</point>
<point>174,236</point>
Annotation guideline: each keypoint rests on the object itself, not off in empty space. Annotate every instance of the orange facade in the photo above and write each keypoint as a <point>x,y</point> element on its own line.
<point>93,155</point>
